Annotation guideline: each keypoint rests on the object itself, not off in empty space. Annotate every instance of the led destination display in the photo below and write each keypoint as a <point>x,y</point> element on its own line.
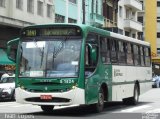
<point>58,31</point>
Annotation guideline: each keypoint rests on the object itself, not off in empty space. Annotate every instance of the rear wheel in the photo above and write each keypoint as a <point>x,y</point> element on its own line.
<point>99,106</point>
<point>133,100</point>
<point>136,95</point>
<point>47,108</point>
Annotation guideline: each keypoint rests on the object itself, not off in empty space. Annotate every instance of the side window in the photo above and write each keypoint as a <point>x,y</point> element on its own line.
<point>121,52</point>
<point>147,56</point>
<point>105,50</point>
<point>90,65</point>
<point>142,56</point>
<point>113,51</point>
<point>136,54</point>
<point>129,54</point>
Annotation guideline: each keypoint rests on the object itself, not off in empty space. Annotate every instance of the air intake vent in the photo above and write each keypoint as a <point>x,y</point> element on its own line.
<point>54,99</point>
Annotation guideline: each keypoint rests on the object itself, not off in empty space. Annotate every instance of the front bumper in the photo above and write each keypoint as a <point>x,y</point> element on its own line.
<point>72,97</point>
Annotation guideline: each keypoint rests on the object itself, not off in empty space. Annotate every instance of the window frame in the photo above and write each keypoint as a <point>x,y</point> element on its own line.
<point>113,51</point>
<point>73,1</point>
<point>91,67</point>
<point>40,8</point>
<point>49,10</point>
<point>105,53</point>
<point>30,6</point>
<point>136,53</point>
<point>121,52</point>
<point>19,4</point>
<point>3,3</point>
<point>129,54</point>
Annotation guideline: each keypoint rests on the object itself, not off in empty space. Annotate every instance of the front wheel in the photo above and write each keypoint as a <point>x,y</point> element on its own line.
<point>47,108</point>
<point>99,106</point>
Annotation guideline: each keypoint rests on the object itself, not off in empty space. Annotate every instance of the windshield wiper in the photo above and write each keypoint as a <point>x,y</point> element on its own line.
<point>55,52</point>
<point>41,51</point>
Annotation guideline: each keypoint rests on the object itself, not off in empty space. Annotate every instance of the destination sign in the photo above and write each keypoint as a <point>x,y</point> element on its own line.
<point>66,31</point>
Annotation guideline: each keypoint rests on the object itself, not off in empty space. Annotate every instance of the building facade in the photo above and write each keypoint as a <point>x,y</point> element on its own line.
<point>89,12</point>
<point>66,11</point>
<point>94,12</point>
<point>158,28</point>
<point>150,31</point>
<point>127,22</point>
<point>148,17</point>
<point>16,14</point>
<point>110,13</point>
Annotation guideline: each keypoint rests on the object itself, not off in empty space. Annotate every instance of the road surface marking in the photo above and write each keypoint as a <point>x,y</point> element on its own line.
<point>13,104</point>
<point>154,111</point>
<point>7,104</point>
<point>21,105</point>
<point>61,107</point>
<point>136,108</point>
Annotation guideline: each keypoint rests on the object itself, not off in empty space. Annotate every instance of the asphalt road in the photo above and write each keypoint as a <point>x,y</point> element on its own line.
<point>148,108</point>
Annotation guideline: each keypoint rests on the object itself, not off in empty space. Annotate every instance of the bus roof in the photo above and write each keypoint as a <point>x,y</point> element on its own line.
<point>103,32</point>
<point>115,35</point>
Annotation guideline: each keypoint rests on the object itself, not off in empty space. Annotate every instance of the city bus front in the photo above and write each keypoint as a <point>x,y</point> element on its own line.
<point>49,66</point>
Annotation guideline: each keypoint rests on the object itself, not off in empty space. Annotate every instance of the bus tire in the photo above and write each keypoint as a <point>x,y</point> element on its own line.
<point>136,95</point>
<point>133,100</point>
<point>47,108</point>
<point>99,106</point>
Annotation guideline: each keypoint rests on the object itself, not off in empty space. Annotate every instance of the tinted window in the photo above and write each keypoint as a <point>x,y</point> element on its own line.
<point>142,56</point>
<point>113,44</point>
<point>147,56</point>
<point>129,54</point>
<point>105,50</point>
<point>121,52</point>
<point>136,55</point>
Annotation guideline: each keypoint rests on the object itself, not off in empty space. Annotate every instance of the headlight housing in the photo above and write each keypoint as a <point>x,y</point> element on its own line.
<point>8,90</point>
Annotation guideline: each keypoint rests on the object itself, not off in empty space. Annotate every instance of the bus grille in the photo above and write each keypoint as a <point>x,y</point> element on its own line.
<point>39,91</point>
<point>55,99</point>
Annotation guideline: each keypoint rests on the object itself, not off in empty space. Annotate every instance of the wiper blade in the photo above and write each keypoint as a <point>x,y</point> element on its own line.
<point>41,50</point>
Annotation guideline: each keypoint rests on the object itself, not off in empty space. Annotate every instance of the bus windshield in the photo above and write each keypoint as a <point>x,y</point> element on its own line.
<point>54,57</point>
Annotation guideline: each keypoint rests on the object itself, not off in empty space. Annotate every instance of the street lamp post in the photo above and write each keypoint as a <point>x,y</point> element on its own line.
<point>84,10</point>
<point>66,20</point>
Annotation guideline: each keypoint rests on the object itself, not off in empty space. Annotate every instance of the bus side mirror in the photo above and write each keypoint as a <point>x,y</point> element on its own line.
<point>10,45</point>
<point>92,52</point>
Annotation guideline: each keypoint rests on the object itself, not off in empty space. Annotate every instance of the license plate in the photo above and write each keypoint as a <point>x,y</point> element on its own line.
<point>46,97</point>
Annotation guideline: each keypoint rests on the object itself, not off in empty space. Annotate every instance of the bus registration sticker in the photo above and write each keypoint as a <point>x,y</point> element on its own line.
<point>46,97</point>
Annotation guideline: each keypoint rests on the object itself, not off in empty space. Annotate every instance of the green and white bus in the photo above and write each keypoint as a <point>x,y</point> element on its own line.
<point>69,64</point>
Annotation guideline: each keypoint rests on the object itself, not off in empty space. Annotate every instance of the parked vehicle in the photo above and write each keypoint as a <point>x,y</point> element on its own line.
<point>7,88</point>
<point>156,82</point>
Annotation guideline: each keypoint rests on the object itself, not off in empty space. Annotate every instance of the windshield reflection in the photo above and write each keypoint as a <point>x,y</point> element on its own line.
<point>50,58</point>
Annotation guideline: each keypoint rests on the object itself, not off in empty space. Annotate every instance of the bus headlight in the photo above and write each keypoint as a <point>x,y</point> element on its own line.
<point>22,87</point>
<point>73,87</point>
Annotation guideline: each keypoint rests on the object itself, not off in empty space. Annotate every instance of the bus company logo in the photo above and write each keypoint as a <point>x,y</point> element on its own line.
<point>106,74</point>
<point>117,72</point>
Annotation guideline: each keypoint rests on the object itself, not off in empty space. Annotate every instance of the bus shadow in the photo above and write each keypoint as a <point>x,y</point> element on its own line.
<point>7,100</point>
<point>84,111</point>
